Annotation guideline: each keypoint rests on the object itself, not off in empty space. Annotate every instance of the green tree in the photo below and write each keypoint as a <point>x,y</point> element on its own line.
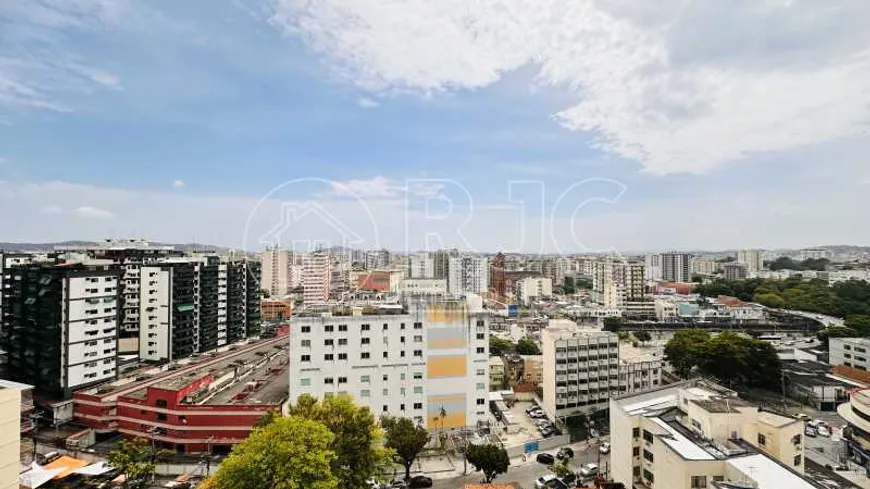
<point>267,418</point>
<point>527,346</point>
<point>290,453</point>
<point>685,349</point>
<point>859,323</point>
<point>643,336</point>
<point>357,442</point>
<point>769,300</point>
<point>499,346</point>
<point>406,439</point>
<point>569,285</point>
<point>561,469</point>
<point>835,332</point>
<point>490,459</point>
<point>582,283</point>
<point>612,324</point>
<point>133,458</point>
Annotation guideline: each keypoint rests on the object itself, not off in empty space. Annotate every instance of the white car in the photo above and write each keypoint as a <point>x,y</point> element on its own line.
<point>604,447</point>
<point>589,470</point>
<point>542,481</point>
<point>823,430</point>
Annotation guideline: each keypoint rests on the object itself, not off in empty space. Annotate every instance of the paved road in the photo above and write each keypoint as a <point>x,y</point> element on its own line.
<point>525,473</point>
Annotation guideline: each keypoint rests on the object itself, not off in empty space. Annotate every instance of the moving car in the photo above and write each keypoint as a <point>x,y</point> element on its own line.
<point>544,480</point>
<point>604,447</point>
<point>565,453</point>
<point>419,481</point>
<point>589,470</point>
<point>803,417</point>
<point>545,458</point>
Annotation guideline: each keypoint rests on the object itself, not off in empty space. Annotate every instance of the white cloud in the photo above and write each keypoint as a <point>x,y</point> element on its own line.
<point>679,86</point>
<point>89,212</point>
<point>381,187</point>
<point>367,103</point>
<point>177,184</point>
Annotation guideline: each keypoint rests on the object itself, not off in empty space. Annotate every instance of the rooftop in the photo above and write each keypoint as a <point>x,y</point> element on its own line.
<point>774,419</point>
<point>768,474</point>
<point>721,404</point>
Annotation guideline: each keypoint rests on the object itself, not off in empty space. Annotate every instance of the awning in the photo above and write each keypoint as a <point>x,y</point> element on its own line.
<point>98,468</point>
<point>68,465</point>
<point>37,476</point>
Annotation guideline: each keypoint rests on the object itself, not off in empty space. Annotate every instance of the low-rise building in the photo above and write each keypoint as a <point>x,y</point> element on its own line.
<point>423,287</point>
<point>531,289</point>
<point>851,352</point>
<point>275,309</point>
<point>10,434</point>
<point>735,271</point>
<point>496,372</point>
<point>533,369</point>
<point>696,434</point>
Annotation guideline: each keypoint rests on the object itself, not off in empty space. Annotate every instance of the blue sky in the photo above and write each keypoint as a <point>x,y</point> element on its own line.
<point>175,121</point>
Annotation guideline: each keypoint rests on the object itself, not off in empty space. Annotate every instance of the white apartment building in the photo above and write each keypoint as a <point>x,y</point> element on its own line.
<point>752,259</point>
<point>616,281</point>
<point>704,265</point>
<point>421,265</point>
<point>653,267</point>
<point>584,368</point>
<point>676,267</point>
<point>735,271</point>
<point>851,352</point>
<point>423,286</point>
<point>815,253</point>
<point>533,289</point>
<point>468,274</point>
<point>424,361</point>
<point>278,271</point>
<point>696,434</point>
<point>316,278</point>
<point>377,259</point>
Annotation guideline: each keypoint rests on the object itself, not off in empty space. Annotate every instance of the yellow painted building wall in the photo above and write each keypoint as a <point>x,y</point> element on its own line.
<point>10,429</point>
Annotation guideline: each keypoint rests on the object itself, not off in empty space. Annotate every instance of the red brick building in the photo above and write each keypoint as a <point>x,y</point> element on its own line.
<point>209,404</point>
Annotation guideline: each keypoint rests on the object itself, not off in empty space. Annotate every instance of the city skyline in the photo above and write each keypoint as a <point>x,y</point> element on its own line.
<point>153,110</point>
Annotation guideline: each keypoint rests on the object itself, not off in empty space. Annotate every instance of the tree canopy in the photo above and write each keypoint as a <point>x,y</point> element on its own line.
<point>406,439</point>
<point>133,458</point>
<point>612,324</point>
<point>499,346</point>
<point>490,459</point>
<point>643,336</point>
<point>527,346</point>
<point>835,332</point>
<point>741,362</point>
<point>357,442</point>
<point>290,453</point>
<point>786,263</point>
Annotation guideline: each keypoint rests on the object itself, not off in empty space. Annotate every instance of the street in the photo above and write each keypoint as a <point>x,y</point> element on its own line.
<point>526,472</point>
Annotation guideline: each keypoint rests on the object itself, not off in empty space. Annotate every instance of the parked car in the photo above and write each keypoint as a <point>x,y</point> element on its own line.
<point>816,422</point>
<point>565,453</point>
<point>823,430</point>
<point>589,470</point>
<point>569,480</point>
<point>537,415</point>
<point>533,407</point>
<point>545,458</point>
<point>803,417</point>
<point>419,481</point>
<point>810,431</point>
<point>604,447</point>
<point>548,432</point>
<point>544,480</point>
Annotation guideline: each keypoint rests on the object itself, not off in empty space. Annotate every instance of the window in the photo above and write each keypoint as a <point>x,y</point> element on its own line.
<point>480,336</point>
<point>635,452</point>
<point>402,406</point>
<point>481,386</point>
<point>328,380</point>
<point>385,408</point>
<point>402,353</point>
<point>635,432</point>
<point>342,356</point>
<point>418,353</point>
<point>365,378</point>
<point>329,328</point>
<point>418,339</point>
<point>328,342</point>
<point>481,350</point>
<point>418,325</point>
<point>761,439</point>
<point>797,460</point>
<point>386,326</point>
<point>418,405</point>
<point>635,471</point>
<point>402,376</point>
<point>699,481</point>
<point>306,329</point>
<point>796,440</point>
<point>648,456</point>
<point>481,371</point>
<point>364,393</point>
<point>342,327</point>
<point>847,347</point>
<point>401,325</point>
<point>401,339</point>
<point>648,475</point>
<point>418,390</point>
<point>161,403</point>
<point>161,416</point>
<point>304,382</point>
<point>386,355</point>
<point>386,392</point>
<point>366,341</point>
<point>306,343</point>
<point>647,436</point>
<point>366,327</point>
<point>329,357</point>
<point>342,341</point>
<point>306,358</point>
<point>402,391</point>
<point>364,355</point>
<point>418,375</point>
<point>342,380</point>
<point>481,402</point>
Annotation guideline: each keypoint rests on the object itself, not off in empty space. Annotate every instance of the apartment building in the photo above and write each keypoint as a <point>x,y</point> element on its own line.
<point>129,255</point>
<point>377,259</point>
<point>735,271</point>
<point>653,267</point>
<point>533,289</point>
<point>676,267</point>
<point>815,254</point>
<point>60,325</point>
<point>696,434</point>
<point>533,369</point>
<point>468,275</point>
<point>851,352</point>
<point>421,265</point>
<point>195,304</point>
<point>583,368</point>
<point>279,271</point>
<point>441,260</point>
<point>704,265</point>
<point>427,361</point>
<point>422,287</point>
<point>856,412</point>
<point>10,434</point>
<point>752,259</point>
<point>616,281</point>
<point>7,261</point>
<point>316,277</point>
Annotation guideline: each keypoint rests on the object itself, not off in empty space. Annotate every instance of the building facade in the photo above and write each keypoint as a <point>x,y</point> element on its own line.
<point>653,267</point>
<point>676,267</point>
<point>424,361</point>
<point>851,352</point>
<point>468,275</point>
<point>423,287</point>
<point>377,259</point>
<point>10,434</point>
<point>421,265</point>
<point>60,325</point>
<point>704,265</point>
<point>533,289</point>
<point>275,309</point>
<point>278,271</point>
<point>616,281</point>
<point>696,434</point>
<point>752,259</point>
<point>735,271</point>
<point>316,278</point>
<point>497,274</point>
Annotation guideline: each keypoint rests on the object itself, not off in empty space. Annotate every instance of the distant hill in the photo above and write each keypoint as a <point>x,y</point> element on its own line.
<point>50,246</point>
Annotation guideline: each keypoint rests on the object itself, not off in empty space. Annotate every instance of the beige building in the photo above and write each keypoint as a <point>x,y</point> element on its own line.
<point>533,369</point>
<point>277,271</point>
<point>316,278</point>
<point>533,289</point>
<point>617,281</point>
<point>10,432</point>
<point>496,372</point>
<point>696,434</point>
